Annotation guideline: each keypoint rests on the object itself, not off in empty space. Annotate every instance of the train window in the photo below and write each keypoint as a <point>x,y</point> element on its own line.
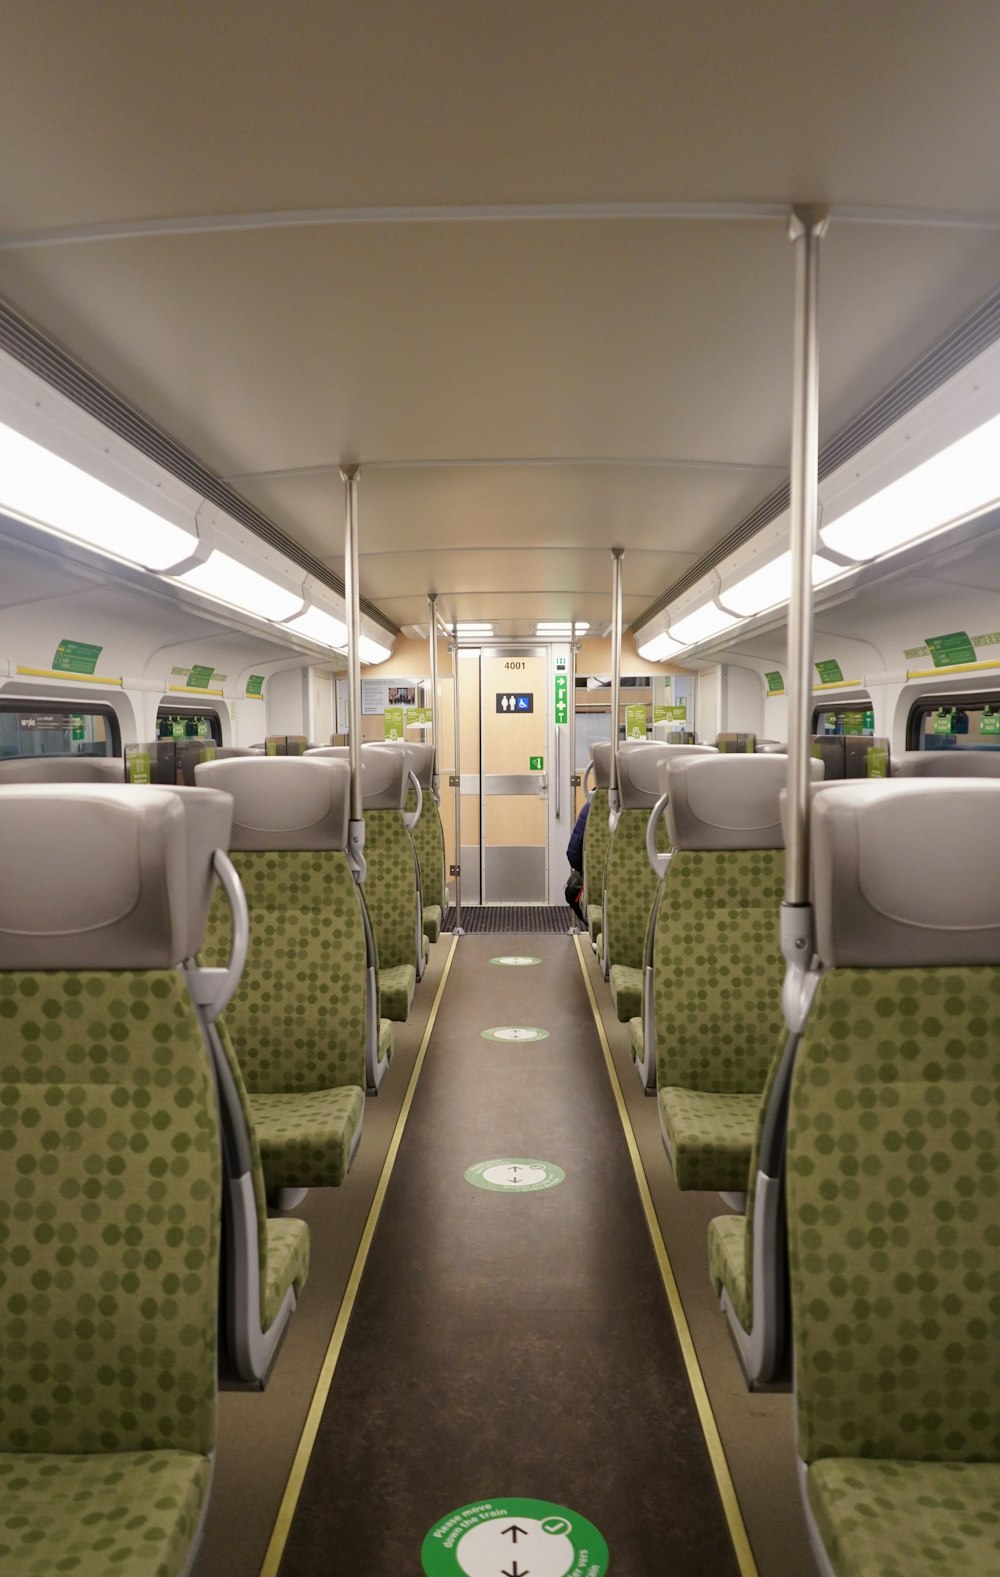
<point>954,722</point>
<point>188,722</point>
<point>44,728</point>
<point>843,717</point>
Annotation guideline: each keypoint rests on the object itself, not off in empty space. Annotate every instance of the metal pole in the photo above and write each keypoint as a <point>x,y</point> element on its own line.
<point>806,228</point>
<point>356,824</point>
<point>432,603</point>
<point>456,869</point>
<point>616,672</point>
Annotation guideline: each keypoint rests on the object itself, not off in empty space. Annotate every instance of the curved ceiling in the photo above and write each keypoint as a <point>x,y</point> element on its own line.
<point>526,262</point>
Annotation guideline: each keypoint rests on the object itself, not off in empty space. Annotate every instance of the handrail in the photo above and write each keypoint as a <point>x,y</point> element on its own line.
<point>411,817</point>
<point>657,860</point>
<point>588,794</point>
<point>213,989</point>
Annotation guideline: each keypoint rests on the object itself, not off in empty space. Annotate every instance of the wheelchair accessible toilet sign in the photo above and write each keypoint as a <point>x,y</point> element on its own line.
<point>514,1538</point>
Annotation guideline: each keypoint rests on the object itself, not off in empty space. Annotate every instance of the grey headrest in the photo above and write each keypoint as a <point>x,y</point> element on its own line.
<point>230,752</point>
<point>421,760</point>
<point>384,772</point>
<point>670,753</point>
<point>640,779</point>
<point>907,875</point>
<point>771,747</point>
<point>106,878</point>
<point>62,769</point>
<point>283,802</point>
<point>728,801</point>
<point>947,764</point>
<point>601,756</point>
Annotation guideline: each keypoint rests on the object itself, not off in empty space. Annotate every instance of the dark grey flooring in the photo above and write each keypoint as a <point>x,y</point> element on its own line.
<point>510,1344</point>
<point>492,919</point>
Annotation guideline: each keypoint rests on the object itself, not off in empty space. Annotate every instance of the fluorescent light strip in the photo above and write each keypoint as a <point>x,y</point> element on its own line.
<point>371,651</point>
<point>658,647</point>
<point>320,627</point>
<point>39,487</point>
<point>233,583</point>
<point>771,585</point>
<point>703,623</point>
<point>958,483</point>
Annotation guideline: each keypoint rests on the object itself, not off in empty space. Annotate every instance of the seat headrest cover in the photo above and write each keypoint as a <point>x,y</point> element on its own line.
<point>283,802</point>
<point>907,874</point>
<point>948,764</point>
<point>105,878</point>
<point>640,770</point>
<point>601,756</point>
<point>63,769</point>
<point>728,801</point>
<point>385,776</point>
<point>421,760</point>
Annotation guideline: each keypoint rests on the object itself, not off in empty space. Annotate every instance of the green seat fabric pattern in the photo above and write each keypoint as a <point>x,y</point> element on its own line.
<point>270,1293</point>
<point>636,1041</point>
<point>729,1264</point>
<point>286,1265</point>
<point>395,988</point>
<point>596,835</point>
<point>133,1512</point>
<point>297,1019</point>
<point>109,1222</point>
<point>428,840</point>
<point>893,1190</point>
<point>305,1140</point>
<point>711,1136</point>
<point>631,888</point>
<point>908,1519</point>
<point>626,992</point>
<point>391,894</point>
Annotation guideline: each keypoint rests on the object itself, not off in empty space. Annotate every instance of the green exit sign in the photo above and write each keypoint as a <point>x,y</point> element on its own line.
<point>536,763</point>
<point>562,699</point>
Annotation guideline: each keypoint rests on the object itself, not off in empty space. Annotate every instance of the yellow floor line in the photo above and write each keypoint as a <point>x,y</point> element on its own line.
<point>710,1429</point>
<point>296,1478</point>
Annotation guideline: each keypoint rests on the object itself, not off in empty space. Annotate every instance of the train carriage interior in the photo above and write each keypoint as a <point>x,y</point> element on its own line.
<point>499,697</point>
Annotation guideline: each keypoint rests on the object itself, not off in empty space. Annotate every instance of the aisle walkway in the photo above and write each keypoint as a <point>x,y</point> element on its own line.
<point>510,1343</point>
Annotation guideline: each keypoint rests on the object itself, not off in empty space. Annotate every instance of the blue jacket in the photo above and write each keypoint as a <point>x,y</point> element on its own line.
<point>574,850</point>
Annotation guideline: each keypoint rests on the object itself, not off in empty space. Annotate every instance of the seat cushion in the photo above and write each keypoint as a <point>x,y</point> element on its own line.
<point>287,1265</point>
<point>386,1040</point>
<point>710,1137</point>
<point>907,1519</point>
<point>727,1264</point>
<point>305,1140</point>
<point>136,1512</point>
<point>636,1041</point>
<point>626,991</point>
<point>595,920</point>
<point>396,987</point>
<point>432,921</point>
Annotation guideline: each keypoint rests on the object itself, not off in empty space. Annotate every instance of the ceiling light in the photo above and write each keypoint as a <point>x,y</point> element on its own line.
<point>372,651</point>
<point>956,484</point>
<point>658,647</point>
<point>561,626</point>
<point>771,585</point>
<point>39,487</point>
<point>704,622</point>
<point>231,582</point>
<point>321,627</point>
<point>474,629</point>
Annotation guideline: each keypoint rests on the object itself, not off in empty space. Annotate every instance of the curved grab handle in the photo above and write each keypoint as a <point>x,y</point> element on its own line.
<point>411,817</point>
<point>214,988</point>
<point>658,861</point>
<point>588,793</point>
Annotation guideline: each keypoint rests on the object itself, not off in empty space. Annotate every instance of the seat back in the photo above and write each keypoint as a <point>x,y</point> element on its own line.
<point>947,764</point>
<point>630,885</point>
<point>892,1180</point>
<point>299,1019</point>
<point>428,831</point>
<point>392,883</point>
<point>851,756</point>
<point>109,1135</point>
<point>62,769</point>
<point>717,962</point>
<point>740,744</point>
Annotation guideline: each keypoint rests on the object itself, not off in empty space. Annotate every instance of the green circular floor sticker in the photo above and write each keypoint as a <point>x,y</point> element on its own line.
<point>514,1538</point>
<point>515,960</point>
<point>507,1176</point>
<point>514,1033</point>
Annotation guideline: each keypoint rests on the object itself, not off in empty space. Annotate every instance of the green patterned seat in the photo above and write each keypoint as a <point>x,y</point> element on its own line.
<point>297,1022</point>
<point>629,882</point>
<point>392,884</point>
<point>596,835</point>
<point>894,1184</point>
<point>109,1241</point>
<point>717,963</point>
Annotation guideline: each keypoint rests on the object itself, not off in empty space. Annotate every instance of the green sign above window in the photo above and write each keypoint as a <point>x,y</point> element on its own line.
<point>775,683</point>
<point>830,673</point>
<point>255,685</point>
<point>76,657</point>
<point>949,650</point>
<point>200,677</point>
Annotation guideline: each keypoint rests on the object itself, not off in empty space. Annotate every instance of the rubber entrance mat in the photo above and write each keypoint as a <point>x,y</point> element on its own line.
<point>492,919</point>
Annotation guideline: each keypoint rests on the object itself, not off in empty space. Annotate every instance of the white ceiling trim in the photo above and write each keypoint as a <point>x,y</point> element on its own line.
<point>536,462</point>
<point>478,213</point>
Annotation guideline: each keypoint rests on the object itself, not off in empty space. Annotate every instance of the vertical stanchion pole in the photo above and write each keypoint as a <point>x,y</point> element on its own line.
<point>356,824</point>
<point>806,229</point>
<point>617,554</point>
<point>432,603</point>
<point>457,867</point>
